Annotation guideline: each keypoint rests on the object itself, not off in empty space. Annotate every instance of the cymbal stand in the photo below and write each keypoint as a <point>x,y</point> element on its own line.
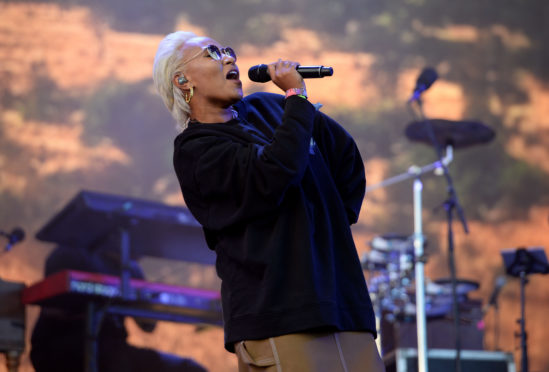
<point>449,205</point>
<point>421,318</point>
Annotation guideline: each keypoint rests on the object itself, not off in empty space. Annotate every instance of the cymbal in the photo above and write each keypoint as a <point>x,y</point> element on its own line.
<point>459,134</point>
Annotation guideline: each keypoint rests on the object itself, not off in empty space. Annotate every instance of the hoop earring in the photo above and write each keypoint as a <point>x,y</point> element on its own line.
<point>188,96</point>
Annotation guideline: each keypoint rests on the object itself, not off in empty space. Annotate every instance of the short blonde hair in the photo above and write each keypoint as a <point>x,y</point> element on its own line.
<point>167,63</point>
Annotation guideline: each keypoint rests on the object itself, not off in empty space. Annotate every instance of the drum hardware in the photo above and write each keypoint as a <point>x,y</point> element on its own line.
<point>418,245</point>
<point>438,133</point>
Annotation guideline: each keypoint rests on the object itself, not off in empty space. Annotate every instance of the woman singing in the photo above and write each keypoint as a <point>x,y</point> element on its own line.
<point>276,185</point>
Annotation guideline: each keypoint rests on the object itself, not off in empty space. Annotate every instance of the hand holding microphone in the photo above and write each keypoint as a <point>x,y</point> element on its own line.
<point>261,74</point>
<point>284,75</point>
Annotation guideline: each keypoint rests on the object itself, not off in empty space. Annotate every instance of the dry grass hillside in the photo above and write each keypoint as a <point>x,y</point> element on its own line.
<point>77,52</point>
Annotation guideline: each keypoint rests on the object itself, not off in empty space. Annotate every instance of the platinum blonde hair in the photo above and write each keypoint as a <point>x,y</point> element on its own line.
<point>167,63</point>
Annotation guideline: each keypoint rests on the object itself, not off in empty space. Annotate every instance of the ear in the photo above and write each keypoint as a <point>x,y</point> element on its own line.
<point>181,82</point>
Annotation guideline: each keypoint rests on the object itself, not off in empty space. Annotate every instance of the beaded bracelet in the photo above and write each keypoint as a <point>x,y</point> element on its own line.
<point>297,92</point>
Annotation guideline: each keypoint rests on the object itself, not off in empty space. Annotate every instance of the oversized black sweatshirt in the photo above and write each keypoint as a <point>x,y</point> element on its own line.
<point>276,191</point>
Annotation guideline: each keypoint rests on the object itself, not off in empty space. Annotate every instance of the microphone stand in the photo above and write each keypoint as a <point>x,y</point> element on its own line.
<point>524,263</point>
<point>449,205</point>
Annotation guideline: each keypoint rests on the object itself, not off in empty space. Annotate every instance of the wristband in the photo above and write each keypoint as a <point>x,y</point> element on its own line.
<point>302,92</point>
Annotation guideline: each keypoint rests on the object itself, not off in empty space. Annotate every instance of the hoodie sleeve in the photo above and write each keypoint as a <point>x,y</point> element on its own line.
<point>340,152</point>
<point>225,180</point>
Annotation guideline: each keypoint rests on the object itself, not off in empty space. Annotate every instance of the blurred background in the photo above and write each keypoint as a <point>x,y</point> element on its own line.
<point>78,111</point>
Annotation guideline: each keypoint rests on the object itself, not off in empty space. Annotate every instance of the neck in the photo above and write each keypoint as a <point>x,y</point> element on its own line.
<point>206,114</point>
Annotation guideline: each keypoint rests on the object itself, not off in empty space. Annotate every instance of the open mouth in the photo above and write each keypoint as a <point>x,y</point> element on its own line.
<point>233,75</point>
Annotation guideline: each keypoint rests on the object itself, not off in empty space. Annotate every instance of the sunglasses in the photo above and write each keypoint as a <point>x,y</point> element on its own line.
<point>215,53</point>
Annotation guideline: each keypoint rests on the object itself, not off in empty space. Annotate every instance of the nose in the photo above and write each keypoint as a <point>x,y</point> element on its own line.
<point>228,59</point>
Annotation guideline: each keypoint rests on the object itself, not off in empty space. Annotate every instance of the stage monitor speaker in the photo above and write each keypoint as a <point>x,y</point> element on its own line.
<point>405,360</point>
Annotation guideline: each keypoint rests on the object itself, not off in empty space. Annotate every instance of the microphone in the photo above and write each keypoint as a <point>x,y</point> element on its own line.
<point>260,73</point>
<point>427,77</point>
<point>17,235</point>
<point>498,285</point>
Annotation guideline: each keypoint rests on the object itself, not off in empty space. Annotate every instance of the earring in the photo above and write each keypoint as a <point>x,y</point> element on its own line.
<point>181,80</point>
<point>189,95</point>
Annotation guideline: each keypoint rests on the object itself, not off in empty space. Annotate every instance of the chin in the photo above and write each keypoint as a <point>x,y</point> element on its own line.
<point>231,98</point>
<point>238,96</point>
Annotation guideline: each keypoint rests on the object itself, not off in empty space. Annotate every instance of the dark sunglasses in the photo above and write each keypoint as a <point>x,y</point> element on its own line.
<point>214,52</point>
<point>217,53</point>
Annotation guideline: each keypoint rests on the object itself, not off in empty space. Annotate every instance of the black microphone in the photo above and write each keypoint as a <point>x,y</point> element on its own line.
<point>427,77</point>
<point>17,235</point>
<point>260,73</point>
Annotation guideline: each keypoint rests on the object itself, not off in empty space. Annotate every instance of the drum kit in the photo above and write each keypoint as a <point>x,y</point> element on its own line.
<point>392,263</point>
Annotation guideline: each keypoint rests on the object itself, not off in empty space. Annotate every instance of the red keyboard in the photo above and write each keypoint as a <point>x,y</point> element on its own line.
<point>169,302</point>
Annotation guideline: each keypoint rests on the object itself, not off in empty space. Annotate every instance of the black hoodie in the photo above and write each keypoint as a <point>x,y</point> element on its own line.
<point>276,191</point>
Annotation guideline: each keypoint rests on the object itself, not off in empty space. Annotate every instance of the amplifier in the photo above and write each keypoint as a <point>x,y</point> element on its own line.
<point>405,360</point>
<point>401,334</point>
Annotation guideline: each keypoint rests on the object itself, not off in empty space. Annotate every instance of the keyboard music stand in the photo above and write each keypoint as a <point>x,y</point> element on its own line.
<point>144,227</point>
<point>521,263</point>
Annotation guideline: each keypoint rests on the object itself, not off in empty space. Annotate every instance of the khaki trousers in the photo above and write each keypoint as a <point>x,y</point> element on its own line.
<point>311,352</point>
